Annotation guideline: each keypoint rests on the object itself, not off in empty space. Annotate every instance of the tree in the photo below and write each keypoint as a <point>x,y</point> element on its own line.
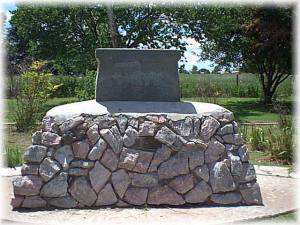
<point>194,70</point>
<point>258,39</point>
<point>204,71</point>
<point>183,70</point>
<point>69,36</point>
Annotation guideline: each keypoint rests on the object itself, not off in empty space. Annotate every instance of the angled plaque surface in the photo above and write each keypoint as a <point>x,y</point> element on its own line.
<point>137,75</point>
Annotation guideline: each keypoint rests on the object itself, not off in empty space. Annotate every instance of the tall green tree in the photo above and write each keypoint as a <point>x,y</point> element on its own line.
<point>68,36</point>
<point>257,39</point>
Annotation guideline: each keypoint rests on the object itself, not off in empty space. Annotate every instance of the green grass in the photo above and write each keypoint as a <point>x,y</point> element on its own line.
<point>10,105</point>
<point>246,109</point>
<point>14,156</point>
<point>216,85</point>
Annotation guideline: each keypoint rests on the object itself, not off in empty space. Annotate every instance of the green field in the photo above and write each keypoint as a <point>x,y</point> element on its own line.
<point>225,85</point>
<point>244,109</point>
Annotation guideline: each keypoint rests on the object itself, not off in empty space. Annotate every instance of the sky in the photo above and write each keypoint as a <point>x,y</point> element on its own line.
<point>192,48</point>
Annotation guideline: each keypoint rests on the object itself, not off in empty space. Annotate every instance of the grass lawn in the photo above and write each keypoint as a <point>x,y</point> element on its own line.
<point>246,109</point>
<point>11,105</point>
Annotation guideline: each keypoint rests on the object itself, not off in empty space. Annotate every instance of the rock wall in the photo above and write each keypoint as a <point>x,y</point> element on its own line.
<point>124,161</point>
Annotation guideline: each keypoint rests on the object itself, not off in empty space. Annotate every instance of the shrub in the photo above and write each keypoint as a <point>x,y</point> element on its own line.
<point>85,89</point>
<point>257,139</point>
<point>278,141</point>
<point>281,142</point>
<point>14,156</point>
<point>36,87</point>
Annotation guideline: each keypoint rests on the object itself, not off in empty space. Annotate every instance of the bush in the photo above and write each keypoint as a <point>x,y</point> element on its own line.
<point>281,143</point>
<point>85,89</point>
<point>36,88</point>
<point>276,141</point>
<point>14,156</point>
<point>257,139</point>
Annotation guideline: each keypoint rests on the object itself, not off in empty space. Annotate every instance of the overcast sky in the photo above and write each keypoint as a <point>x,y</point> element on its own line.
<point>190,53</point>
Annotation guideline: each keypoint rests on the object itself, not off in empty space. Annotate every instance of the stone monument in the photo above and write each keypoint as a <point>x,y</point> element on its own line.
<point>136,144</point>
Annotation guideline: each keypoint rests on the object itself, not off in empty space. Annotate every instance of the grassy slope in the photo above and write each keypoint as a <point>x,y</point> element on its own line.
<point>245,109</point>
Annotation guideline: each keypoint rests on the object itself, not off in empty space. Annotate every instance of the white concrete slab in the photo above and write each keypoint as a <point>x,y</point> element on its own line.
<point>174,110</point>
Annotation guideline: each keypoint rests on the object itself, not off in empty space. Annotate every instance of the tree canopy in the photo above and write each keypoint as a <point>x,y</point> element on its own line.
<point>252,39</point>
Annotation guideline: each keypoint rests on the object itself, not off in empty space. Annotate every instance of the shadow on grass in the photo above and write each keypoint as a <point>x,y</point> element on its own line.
<point>244,108</point>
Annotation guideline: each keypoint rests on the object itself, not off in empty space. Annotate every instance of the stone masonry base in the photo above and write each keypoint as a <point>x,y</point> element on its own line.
<point>125,160</point>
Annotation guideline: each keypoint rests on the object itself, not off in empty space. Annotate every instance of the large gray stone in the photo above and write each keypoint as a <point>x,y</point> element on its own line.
<point>99,175</point>
<point>234,139</point>
<point>77,172</point>
<point>27,185</point>
<point>32,202</point>
<point>226,129</point>
<point>80,149</point>
<point>243,153</point>
<point>161,155</point>
<point>130,136</point>
<point>82,191</point>
<point>163,195</point>
<point>30,169</point>
<point>70,124</point>
<point>226,198</point>
<point>136,196</point>
<point>128,158</point>
<point>114,140</point>
<point>106,196</point>
<point>166,136</point>
<point>251,193</point>
<point>37,138</point>
<point>122,123</point>
<point>209,127</point>
<point>120,180</point>
<point>173,167</point>
<point>98,149</point>
<point>236,166</point>
<point>195,157</point>
<point>49,168</point>
<point>50,139</point>
<point>65,202</point>
<point>85,164</point>
<point>221,179</point>
<point>64,155</point>
<point>182,184</point>
<point>35,153</point>
<point>202,172</point>
<point>110,159</point>
<point>57,187</point>
<point>48,123</point>
<point>214,151</point>
<point>17,201</point>
<point>150,75</point>
<point>93,134</point>
<point>199,193</point>
<point>143,162</point>
<point>105,121</point>
<point>147,128</point>
<point>144,180</point>
<point>183,127</point>
<point>248,173</point>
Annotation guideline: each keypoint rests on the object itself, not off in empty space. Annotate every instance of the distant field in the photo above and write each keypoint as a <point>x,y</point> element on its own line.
<point>216,85</point>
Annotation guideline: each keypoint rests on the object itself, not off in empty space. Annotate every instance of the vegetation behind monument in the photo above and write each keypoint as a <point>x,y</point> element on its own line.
<point>256,40</point>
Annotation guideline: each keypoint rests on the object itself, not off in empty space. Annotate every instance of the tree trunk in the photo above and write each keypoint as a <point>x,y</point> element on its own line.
<point>112,26</point>
<point>268,95</point>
